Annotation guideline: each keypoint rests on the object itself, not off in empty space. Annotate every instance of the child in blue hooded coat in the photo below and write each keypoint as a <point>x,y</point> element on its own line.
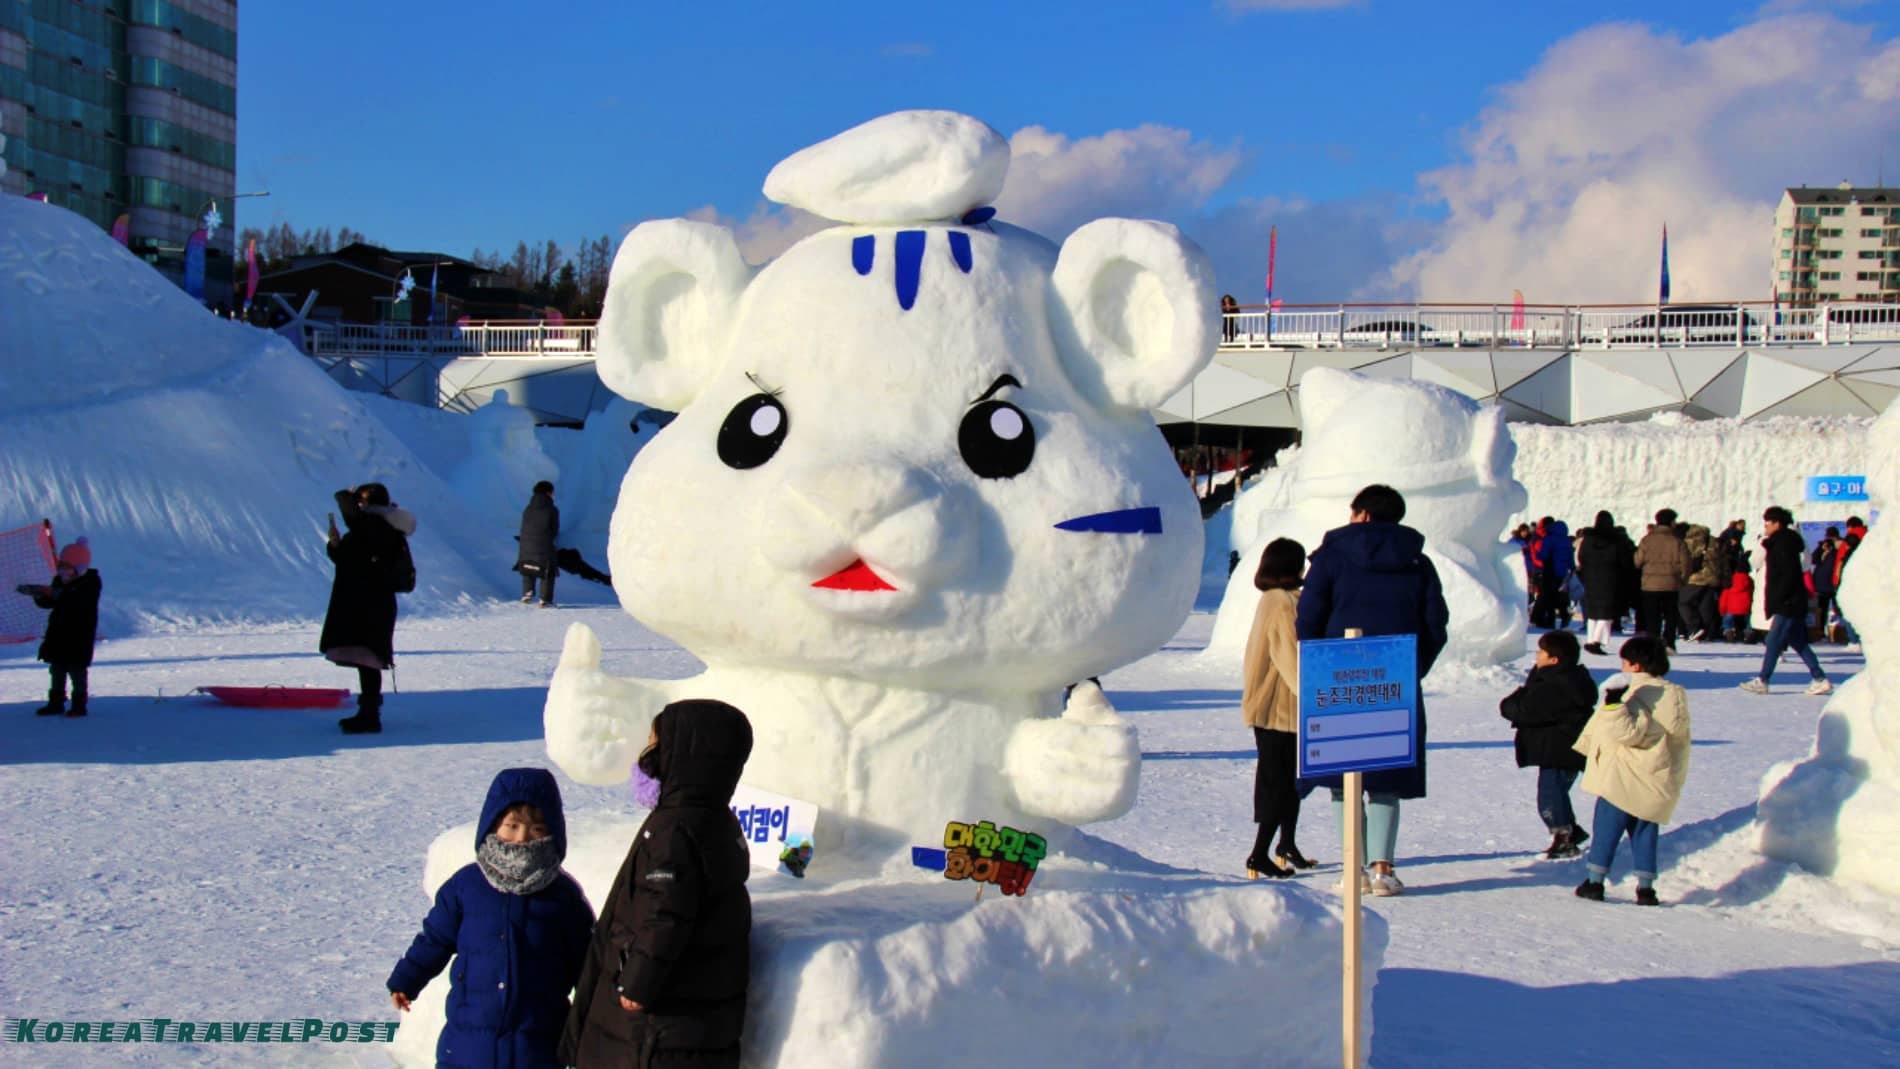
<point>517,927</point>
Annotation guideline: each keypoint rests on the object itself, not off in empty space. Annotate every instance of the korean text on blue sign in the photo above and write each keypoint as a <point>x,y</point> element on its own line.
<point>1837,488</point>
<point>1358,700</point>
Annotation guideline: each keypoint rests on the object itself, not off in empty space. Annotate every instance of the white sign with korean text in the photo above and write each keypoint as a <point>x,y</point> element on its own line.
<point>767,820</point>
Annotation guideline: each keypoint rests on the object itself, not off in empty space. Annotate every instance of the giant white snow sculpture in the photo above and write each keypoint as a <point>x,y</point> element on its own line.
<point>1448,455</point>
<point>1837,813</point>
<point>913,489</point>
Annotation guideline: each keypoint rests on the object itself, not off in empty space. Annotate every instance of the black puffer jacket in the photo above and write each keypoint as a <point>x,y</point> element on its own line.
<point>675,932</point>
<point>73,626</point>
<point>1600,566</point>
<point>540,526</point>
<point>362,612</point>
<point>1787,594</point>
<point>1549,712</point>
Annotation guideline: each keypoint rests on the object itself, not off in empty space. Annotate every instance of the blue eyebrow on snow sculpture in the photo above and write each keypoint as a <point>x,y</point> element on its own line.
<point>1121,521</point>
<point>909,247</point>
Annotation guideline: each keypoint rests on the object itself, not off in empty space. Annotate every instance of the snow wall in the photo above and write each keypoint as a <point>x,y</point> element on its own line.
<point>1837,813</point>
<point>199,455</point>
<point>1710,471</point>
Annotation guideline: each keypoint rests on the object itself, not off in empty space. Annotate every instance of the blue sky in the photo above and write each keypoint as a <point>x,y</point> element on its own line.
<point>451,125</point>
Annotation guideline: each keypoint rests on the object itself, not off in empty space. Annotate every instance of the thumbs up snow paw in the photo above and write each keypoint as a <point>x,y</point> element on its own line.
<point>1080,768</point>
<point>595,723</point>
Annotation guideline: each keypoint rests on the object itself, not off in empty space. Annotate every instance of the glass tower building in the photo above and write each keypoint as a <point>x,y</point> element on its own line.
<point>126,108</point>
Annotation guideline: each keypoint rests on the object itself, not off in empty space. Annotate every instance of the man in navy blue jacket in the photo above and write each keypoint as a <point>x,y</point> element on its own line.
<point>1373,575</point>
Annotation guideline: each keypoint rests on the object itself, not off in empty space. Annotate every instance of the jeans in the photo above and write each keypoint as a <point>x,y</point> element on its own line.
<point>547,585</point>
<point>77,672</point>
<point>1380,821</point>
<point>1657,615</point>
<point>1611,824</point>
<point>1553,798</point>
<point>1788,633</point>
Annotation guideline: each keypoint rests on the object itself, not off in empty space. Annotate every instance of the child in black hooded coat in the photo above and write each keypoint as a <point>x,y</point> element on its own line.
<point>1549,712</point>
<point>665,978</point>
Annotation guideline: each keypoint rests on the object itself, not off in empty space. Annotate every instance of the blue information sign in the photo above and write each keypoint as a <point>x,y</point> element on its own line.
<point>1837,488</point>
<point>1358,704</point>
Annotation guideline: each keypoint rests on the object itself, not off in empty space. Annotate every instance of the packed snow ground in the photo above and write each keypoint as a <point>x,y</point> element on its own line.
<point>179,858</point>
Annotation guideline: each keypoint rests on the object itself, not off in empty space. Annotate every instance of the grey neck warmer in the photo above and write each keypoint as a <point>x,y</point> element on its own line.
<point>518,868</point>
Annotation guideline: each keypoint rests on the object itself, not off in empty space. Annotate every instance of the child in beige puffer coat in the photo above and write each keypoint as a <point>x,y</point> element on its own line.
<point>1636,759</point>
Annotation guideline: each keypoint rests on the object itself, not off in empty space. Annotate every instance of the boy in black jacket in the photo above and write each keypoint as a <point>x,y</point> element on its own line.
<point>1549,712</point>
<point>72,629</point>
<point>665,978</point>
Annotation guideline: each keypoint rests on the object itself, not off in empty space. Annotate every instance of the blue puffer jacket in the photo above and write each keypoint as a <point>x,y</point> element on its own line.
<point>1376,577</point>
<point>1556,555</point>
<point>516,956</point>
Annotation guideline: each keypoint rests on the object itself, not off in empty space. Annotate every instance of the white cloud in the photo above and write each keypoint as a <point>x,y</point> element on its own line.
<point>1568,178</point>
<point>1057,183</point>
<point>768,231</point>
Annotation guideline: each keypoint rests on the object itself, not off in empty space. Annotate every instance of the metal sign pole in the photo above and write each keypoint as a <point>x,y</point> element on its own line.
<point>1353,865</point>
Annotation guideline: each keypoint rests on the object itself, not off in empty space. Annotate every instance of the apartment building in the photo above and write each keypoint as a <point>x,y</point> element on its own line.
<point>1835,244</point>
<point>126,108</point>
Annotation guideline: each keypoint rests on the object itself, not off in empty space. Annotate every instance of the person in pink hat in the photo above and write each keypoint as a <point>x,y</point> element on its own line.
<point>72,629</point>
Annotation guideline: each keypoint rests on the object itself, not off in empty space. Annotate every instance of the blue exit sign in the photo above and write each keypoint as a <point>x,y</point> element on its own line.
<point>1837,488</point>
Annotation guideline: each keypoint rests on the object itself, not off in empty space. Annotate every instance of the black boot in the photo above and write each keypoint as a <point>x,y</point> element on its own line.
<point>55,705</point>
<point>1591,889</point>
<point>1289,856</point>
<point>1259,867</point>
<point>78,708</point>
<point>1578,836</point>
<point>367,721</point>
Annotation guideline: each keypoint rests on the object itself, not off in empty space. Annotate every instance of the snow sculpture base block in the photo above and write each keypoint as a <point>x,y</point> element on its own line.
<point>1090,967</point>
<point>1837,813</point>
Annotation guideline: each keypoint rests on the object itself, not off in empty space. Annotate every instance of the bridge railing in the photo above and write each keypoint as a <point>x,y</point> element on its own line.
<point>1336,326</point>
<point>1386,326</point>
<point>452,340</point>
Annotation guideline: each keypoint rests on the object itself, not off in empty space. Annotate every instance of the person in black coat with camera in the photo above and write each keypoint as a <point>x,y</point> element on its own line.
<point>1549,712</point>
<point>540,526</point>
<point>664,982</point>
<point>359,627</point>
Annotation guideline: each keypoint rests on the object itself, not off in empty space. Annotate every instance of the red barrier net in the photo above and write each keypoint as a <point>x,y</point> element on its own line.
<point>26,556</point>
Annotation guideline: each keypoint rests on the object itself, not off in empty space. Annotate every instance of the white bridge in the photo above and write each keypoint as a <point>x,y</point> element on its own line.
<point>1548,364</point>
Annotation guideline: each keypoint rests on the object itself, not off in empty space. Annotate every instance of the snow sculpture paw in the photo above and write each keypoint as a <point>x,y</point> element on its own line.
<point>1079,768</point>
<point>596,724</point>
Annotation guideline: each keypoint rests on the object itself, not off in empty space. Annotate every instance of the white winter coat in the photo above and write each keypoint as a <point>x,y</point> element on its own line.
<point>1637,754</point>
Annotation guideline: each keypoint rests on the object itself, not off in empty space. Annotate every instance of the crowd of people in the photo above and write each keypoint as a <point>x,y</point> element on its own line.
<point>1681,581</point>
<point>1629,745</point>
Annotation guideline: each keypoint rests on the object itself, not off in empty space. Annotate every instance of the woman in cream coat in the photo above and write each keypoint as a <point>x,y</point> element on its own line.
<point>1636,754</point>
<point>1271,668</point>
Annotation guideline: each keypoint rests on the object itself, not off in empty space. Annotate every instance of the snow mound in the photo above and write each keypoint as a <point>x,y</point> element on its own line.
<point>198,454</point>
<point>1837,813</point>
<point>1449,456</point>
<point>1173,967</point>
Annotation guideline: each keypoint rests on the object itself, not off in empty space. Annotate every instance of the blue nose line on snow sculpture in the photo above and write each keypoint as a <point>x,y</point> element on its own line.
<point>1121,521</point>
<point>909,247</point>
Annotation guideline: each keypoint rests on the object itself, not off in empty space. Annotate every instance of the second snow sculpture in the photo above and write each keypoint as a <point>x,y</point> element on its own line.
<point>913,489</point>
<point>1837,813</point>
<point>1451,458</point>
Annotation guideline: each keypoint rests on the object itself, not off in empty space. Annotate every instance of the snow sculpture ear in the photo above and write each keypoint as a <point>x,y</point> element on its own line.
<point>1133,307</point>
<point>671,298</point>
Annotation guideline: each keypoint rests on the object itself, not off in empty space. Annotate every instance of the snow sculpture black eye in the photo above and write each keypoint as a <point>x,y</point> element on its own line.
<point>752,432</point>
<point>996,440</point>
